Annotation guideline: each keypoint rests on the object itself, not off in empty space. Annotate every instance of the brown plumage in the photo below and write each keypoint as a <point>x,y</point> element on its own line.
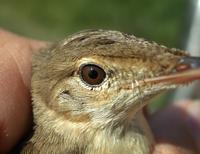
<point>88,91</point>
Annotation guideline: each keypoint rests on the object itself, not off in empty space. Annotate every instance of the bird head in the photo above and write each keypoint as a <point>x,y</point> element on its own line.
<point>105,77</point>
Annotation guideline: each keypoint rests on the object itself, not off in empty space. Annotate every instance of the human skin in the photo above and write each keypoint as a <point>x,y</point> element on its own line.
<point>15,75</point>
<point>176,128</point>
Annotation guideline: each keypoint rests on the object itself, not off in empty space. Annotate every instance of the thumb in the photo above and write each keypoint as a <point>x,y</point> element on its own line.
<point>15,74</point>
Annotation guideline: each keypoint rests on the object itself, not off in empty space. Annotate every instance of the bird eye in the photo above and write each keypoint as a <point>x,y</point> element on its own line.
<point>92,74</point>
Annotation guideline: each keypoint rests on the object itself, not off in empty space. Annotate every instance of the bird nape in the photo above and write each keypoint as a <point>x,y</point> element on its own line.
<point>88,92</point>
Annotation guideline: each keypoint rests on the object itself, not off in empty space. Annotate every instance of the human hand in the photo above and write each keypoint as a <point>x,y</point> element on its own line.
<point>15,76</point>
<point>176,129</point>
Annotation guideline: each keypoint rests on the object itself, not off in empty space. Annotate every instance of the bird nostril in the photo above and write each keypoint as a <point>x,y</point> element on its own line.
<point>188,63</point>
<point>182,67</point>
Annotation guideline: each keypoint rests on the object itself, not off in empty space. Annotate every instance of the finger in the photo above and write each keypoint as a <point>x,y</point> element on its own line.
<point>193,122</point>
<point>170,129</point>
<point>15,73</point>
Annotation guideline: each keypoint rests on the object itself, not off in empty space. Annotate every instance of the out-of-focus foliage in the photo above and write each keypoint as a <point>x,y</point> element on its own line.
<point>157,20</point>
<point>161,21</point>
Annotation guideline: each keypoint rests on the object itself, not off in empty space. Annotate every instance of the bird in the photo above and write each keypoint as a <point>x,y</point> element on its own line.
<point>89,91</point>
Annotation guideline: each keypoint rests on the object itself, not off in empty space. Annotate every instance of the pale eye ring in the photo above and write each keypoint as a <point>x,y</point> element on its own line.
<point>92,74</point>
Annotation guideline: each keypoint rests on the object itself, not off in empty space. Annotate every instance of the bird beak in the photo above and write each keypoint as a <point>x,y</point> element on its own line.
<point>193,62</point>
<point>187,70</point>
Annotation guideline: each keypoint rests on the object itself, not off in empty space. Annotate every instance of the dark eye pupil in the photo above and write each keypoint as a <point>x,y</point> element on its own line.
<point>93,74</point>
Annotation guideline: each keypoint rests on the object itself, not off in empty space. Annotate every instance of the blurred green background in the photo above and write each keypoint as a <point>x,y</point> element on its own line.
<point>161,21</point>
<point>157,20</point>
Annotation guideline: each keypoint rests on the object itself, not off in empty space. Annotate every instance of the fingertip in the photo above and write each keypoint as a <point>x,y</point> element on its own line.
<point>15,103</point>
<point>15,115</point>
<point>193,122</point>
<point>174,125</point>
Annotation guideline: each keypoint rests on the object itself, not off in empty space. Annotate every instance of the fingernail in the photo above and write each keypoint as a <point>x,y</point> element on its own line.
<point>194,110</point>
